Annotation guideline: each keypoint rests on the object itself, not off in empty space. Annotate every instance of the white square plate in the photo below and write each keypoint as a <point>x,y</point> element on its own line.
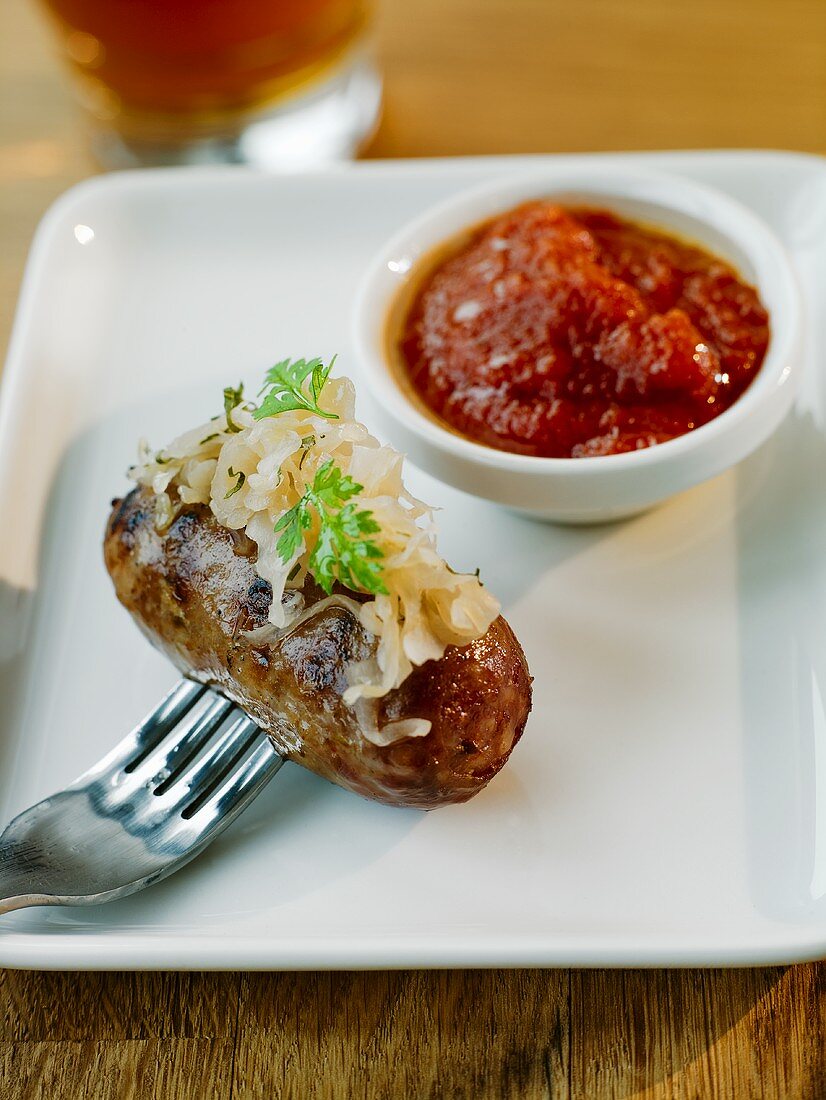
<point>667,805</point>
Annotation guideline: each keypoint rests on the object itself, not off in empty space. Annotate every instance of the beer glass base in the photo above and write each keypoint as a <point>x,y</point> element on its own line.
<point>331,122</point>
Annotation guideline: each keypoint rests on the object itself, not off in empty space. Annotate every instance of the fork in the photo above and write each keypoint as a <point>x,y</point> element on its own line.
<point>147,808</point>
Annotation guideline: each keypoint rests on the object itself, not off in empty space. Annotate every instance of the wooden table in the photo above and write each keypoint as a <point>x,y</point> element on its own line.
<point>463,76</point>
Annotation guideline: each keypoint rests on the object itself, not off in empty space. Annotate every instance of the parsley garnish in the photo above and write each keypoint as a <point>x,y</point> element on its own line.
<point>342,552</point>
<point>233,398</point>
<point>241,476</point>
<point>209,438</point>
<point>286,382</point>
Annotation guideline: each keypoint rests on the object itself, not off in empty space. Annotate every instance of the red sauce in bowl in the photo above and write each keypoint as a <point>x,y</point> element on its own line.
<point>570,332</point>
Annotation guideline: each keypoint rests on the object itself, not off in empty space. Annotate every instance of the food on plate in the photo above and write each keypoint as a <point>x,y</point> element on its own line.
<point>275,553</point>
<point>570,332</point>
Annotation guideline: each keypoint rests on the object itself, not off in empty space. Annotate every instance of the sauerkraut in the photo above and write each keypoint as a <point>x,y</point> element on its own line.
<point>252,469</point>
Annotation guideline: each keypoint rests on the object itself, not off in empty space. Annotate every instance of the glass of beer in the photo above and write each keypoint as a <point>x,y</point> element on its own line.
<point>277,83</point>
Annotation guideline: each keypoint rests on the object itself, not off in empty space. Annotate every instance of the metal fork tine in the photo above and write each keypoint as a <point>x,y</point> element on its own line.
<point>209,768</point>
<point>240,786</point>
<point>150,732</point>
<point>182,742</point>
<point>172,755</point>
<point>164,718</point>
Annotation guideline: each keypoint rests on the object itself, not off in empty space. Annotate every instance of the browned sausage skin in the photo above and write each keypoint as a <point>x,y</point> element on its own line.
<point>194,591</point>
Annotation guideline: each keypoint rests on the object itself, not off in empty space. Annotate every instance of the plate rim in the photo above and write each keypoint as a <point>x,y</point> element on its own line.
<point>160,949</point>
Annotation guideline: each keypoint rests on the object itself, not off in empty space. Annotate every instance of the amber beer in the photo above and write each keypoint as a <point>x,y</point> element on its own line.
<point>160,69</point>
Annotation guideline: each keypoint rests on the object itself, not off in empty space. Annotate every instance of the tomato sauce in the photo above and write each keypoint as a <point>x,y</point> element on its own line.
<point>570,333</point>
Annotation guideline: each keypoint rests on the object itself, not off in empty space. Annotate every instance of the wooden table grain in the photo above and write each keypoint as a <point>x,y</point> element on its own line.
<point>463,76</point>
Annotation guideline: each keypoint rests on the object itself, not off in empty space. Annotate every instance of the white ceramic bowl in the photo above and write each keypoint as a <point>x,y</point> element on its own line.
<point>588,490</point>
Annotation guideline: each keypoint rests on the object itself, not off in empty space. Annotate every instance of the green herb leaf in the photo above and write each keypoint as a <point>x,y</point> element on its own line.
<point>292,525</point>
<point>331,487</point>
<point>232,399</point>
<point>342,550</point>
<point>285,386</point>
<point>241,476</point>
<point>319,377</point>
<point>209,438</point>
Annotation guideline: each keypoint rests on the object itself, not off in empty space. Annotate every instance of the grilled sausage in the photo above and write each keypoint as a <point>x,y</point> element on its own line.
<point>194,591</point>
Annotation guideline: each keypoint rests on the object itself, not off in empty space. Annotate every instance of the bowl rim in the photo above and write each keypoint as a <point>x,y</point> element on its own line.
<point>773,276</point>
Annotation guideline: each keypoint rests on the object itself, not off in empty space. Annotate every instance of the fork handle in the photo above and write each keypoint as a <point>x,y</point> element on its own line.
<point>20,881</point>
<point>24,901</point>
<point>19,885</point>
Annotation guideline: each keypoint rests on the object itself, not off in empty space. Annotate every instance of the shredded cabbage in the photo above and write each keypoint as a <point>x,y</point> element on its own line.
<point>427,606</point>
